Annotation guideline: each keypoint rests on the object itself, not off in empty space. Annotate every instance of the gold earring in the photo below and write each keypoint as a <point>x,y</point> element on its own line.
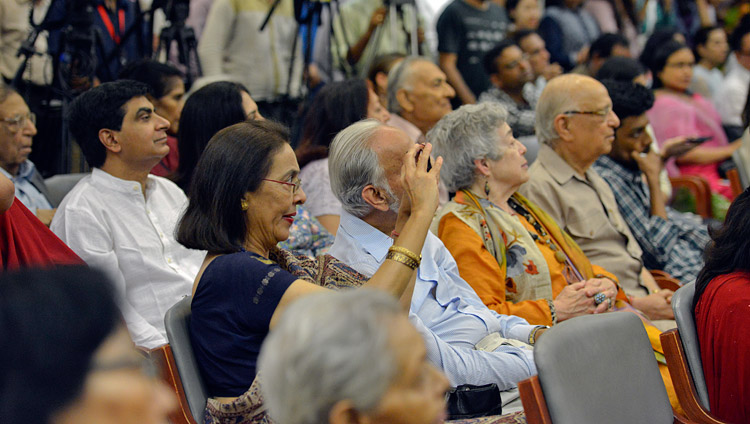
<point>487,187</point>
<point>244,205</point>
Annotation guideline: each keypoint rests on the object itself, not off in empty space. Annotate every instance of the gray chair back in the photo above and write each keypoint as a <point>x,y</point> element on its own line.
<point>682,305</point>
<point>59,185</point>
<point>177,322</point>
<point>601,369</point>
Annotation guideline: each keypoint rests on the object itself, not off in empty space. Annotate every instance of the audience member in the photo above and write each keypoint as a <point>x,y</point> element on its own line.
<point>120,218</point>
<point>351,354</point>
<point>655,41</point>
<point>576,124</point>
<point>24,240</point>
<point>568,29</point>
<point>464,338</point>
<point>418,96</point>
<point>513,266</point>
<point>721,306</point>
<point>378,74</point>
<point>17,129</point>
<point>524,14</point>
<point>623,69</point>
<point>605,46</point>
<point>334,108</point>
<point>66,356</point>
<point>509,72</point>
<point>616,17</point>
<point>246,282</point>
<point>232,46</point>
<point>670,240</point>
<point>733,92</point>
<point>534,48</point>
<point>208,110</point>
<point>166,93</point>
<point>678,112</point>
<point>711,49</point>
<point>15,27</point>
<point>366,29</point>
<point>467,30</point>
<point>656,16</point>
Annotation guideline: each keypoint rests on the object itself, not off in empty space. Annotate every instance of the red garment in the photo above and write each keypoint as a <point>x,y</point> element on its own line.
<point>170,162</point>
<point>26,242</point>
<point>722,317</point>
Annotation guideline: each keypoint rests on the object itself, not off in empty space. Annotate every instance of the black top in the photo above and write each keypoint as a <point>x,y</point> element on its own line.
<point>231,312</point>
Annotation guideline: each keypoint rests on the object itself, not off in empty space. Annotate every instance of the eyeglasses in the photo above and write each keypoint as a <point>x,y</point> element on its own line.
<point>145,365</point>
<point>603,112</point>
<point>295,184</point>
<point>516,63</point>
<point>19,121</point>
<point>680,65</point>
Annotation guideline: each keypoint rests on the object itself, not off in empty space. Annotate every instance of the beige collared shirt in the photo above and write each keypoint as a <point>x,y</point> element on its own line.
<point>586,208</point>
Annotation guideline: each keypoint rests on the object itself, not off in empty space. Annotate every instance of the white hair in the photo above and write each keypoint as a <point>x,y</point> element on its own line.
<point>400,77</point>
<point>556,98</point>
<point>353,165</point>
<point>467,133</point>
<point>329,347</point>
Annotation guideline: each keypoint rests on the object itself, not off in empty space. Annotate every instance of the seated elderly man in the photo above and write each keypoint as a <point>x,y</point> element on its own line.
<point>349,354</point>
<point>469,342</point>
<point>418,96</point>
<point>121,219</point>
<point>671,241</point>
<point>18,129</point>
<point>575,124</point>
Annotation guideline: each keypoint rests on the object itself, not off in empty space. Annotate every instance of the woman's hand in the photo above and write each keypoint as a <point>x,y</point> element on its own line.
<point>605,286</point>
<point>420,186</point>
<point>573,301</point>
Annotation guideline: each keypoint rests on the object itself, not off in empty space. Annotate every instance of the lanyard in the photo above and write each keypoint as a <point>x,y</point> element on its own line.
<point>108,22</point>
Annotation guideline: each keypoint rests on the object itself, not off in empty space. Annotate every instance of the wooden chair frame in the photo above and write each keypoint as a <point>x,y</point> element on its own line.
<point>163,358</point>
<point>699,187</point>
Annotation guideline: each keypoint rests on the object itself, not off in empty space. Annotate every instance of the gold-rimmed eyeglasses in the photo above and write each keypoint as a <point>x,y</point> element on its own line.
<point>602,112</point>
<point>19,121</point>
<point>294,184</point>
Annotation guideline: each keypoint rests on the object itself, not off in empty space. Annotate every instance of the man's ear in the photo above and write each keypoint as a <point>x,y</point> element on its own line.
<point>375,197</point>
<point>109,140</point>
<point>403,100</point>
<point>562,127</point>
<point>343,412</point>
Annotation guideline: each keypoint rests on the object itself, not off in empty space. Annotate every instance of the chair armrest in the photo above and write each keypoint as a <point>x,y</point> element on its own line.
<point>699,187</point>
<point>665,281</point>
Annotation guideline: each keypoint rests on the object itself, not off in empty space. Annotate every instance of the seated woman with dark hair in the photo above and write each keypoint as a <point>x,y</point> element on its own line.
<point>166,91</point>
<point>242,202</point>
<point>334,108</point>
<point>722,315</point>
<point>66,356</point>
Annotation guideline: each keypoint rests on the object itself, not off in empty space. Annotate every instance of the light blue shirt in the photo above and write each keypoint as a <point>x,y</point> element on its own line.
<point>444,309</point>
<point>25,191</point>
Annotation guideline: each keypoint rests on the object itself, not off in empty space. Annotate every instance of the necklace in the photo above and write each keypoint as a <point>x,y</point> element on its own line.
<point>542,235</point>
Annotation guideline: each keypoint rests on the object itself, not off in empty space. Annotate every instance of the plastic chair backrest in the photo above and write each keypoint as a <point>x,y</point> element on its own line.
<point>682,305</point>
<point>177,322</point>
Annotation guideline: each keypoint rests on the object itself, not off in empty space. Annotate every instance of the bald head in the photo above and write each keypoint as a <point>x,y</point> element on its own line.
<point>564,93</point>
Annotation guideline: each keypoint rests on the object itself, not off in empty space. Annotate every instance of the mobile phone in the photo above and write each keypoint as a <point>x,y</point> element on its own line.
<point>698,140</point>
<point>429,160</point>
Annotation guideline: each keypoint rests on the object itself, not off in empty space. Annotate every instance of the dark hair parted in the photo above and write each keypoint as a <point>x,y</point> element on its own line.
<point>629,99</point>
<point>519,35</point>
<point>235,162</point>
<point>620,69</point>
<point>52,321</point>
<point>658,38</point>
<point>152,73</point>
<point>729,248</point>
<point>701,38</point>
<point>659,60</point>
<point>489,61</point>
<point>102,107</point>
<point>334,108</point>
<point>603,45</point>
<point>208,110</point>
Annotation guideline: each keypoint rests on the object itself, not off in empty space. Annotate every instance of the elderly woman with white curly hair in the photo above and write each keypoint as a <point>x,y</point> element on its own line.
<point>512,253</point>
<point>348,357</point>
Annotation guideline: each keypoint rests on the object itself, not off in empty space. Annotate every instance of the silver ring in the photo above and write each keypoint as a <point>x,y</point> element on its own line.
<point>609,302</point>
<point>599,298</point>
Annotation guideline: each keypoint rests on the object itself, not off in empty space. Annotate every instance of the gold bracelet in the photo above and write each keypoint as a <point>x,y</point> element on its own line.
<point>407,252</point>
<point>403,259</point>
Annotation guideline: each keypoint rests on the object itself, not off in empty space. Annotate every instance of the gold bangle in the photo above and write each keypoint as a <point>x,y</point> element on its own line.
<point>407,252</point>
<point>403,259</point>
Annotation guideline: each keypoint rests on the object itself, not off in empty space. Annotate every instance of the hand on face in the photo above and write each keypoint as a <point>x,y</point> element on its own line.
<point>420,185</point>
<point>649,163</point>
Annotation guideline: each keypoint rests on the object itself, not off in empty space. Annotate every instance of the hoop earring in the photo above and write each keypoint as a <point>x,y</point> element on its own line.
<point>244,205</point>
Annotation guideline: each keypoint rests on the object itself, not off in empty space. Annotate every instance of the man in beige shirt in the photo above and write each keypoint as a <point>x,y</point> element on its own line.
<point>575,124</point>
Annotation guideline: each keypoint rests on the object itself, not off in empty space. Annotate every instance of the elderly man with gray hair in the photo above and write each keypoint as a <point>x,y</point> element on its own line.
<point>418,96</point>
<point>338,355</point>
<point>575,124</point>
<point>465,339</point>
